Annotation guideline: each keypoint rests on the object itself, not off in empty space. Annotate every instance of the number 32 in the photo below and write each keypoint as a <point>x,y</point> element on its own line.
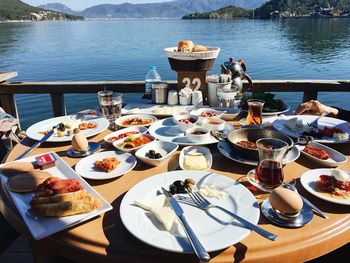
<point>195,81</point>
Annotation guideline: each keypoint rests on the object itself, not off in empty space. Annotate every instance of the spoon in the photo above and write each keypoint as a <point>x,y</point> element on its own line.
<point>291,186</point>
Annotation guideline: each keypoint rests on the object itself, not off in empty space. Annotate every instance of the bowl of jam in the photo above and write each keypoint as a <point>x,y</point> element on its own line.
<point>197,135</point>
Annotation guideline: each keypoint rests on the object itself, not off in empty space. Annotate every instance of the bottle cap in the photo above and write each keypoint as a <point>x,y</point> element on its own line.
<point>152,68</point>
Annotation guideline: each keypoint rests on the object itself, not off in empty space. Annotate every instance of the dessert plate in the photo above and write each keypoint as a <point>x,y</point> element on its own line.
<point>33,131</point>
<point>166,130</point>
<point>226,150</point>
<point>214,229</point>
<point>86,167</point>
<point>308,181</point>
<point>41,227</point>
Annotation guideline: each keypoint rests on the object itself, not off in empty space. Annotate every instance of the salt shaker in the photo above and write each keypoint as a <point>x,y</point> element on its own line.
<point>172,97</point>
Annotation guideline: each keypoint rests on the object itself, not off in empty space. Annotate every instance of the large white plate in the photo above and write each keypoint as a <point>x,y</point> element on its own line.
<point>41,227</point>
<point>309,179</point>
<point>45,125</point>
<point>171,52</point>
<point>211,233</point>
<point>322,122</point>
<point>166,130</point>
<point>153,109</point>
<point>226,150</point>
<point>86,167</point>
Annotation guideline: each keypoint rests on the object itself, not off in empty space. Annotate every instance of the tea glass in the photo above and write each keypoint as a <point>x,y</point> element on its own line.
<point>255,108</point>
<point>111,106</point>
<point>269,173</point>
<point>226,95</point>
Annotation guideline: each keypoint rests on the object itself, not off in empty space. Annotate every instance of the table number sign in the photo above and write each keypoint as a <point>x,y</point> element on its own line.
<point>194,80</point>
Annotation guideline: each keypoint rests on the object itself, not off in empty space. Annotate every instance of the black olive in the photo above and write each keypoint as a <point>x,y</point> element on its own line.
<point>180,185</point>
<point>157,156</point>
<point>61,127</point>
<point>147,155</point>
<point>152,152</point>
<point>173,189</point>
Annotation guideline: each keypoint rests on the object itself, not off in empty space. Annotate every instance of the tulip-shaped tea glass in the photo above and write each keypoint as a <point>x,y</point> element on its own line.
<point>255,108</point>
<point>269,173</point>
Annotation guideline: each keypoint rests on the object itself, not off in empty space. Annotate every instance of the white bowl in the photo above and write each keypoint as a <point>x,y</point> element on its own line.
<point>197,138</point>
<point>200,111</point>
<point>122,119</point>
<point>335,158</point>
<point>123,131</point>
<point>231,113</point>
<point>184,126</point>
<point>117,144</point>
<point>166,149</point>
<point>196,149</point>
<point>213,124</point>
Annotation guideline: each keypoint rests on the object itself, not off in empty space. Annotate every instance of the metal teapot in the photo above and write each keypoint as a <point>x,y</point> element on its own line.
<point>237,71</point>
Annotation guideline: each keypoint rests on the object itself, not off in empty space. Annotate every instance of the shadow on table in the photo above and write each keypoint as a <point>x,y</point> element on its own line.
<point>126,248</point>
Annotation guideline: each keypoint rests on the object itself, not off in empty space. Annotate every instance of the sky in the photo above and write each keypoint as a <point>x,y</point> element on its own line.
<point>82,4</point>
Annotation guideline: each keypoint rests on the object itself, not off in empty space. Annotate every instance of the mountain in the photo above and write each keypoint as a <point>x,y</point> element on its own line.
<point>171,9</point>
<point>17,10</point>
<point>299,7</point>
<point>229,12</point>
<point>58,7</point>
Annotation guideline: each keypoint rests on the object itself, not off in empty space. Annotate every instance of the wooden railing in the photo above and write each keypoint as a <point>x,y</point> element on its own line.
<point>310,88</point>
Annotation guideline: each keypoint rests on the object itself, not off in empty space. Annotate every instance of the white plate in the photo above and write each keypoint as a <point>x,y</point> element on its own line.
<point>197,149</point>
<point>322,122</point>
<point>212,234</point>
<point>226,150</point>
<point>152,109</point>
<point>335,158</point>
<point>124,130</point>
<point>309,179</point>
<point>86,167</point>
<point>171,52</point>
<point>45,125</point>
<point>120,120</point>
<point>41,227</point>
<point>166,130</point>
<point>117,143</point>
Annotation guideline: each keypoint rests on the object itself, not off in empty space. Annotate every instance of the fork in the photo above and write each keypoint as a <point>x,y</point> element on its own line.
<point>204,204</point>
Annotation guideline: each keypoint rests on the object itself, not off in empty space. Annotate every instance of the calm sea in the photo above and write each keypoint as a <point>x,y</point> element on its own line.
<point>124,49</point>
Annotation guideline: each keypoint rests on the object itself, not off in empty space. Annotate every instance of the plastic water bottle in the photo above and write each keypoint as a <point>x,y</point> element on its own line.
<point>151,77</point>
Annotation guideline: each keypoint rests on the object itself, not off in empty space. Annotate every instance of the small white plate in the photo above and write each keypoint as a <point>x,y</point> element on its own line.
<point>86,167</point>
<point>120,120</point>
<point>309,179</point>
<point>167,130</point>
<point>226,150</point>
<point>45,125</point>
<point>335,158</point>
<point>166,149</point>
<point>122,131</point>
<point>131,150</point>
<point>196,149</point>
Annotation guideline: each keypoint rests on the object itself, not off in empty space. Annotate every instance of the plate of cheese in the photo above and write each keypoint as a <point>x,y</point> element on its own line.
<point>146,214</point>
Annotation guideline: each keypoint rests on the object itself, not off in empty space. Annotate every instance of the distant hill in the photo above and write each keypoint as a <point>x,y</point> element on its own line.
<point>229,12</point>
<point>58,7</point>
<point>299,7</point>
<point>171,9</point>
<point>17,10</point>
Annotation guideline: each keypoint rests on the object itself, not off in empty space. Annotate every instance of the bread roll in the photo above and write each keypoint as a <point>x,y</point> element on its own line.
<point>28,181</point>
<point>199,48</point>
<point>65,204</point>
<point>14,168</point>
<point>185,46</point>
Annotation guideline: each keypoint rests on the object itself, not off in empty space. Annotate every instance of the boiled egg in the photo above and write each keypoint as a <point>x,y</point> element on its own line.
<point>80,143</point>
<point>285,200</point>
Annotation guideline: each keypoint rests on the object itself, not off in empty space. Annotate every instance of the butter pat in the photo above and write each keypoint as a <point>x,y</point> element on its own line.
<point>195,161</point>
<point>340,175</point>
<point>150,203</point>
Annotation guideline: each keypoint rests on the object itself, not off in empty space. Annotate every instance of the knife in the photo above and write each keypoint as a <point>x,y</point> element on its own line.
<point>195,243</point>
<point>35,145</point>
<point>313,207</point>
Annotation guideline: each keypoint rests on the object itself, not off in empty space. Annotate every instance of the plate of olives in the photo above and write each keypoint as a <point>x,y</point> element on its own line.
<point>156,152</point>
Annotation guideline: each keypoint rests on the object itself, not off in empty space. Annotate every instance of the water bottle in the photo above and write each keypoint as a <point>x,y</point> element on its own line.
<point>151,77</point>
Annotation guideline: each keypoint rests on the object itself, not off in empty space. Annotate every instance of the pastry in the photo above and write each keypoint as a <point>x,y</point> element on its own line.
<point>185,46</point>
<point>14,168</point>
<point>107,164</point>
<point>199,48</point>
<point>28,181</point>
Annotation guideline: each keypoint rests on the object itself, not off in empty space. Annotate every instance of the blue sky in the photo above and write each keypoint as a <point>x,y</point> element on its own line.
<point>82,4</point>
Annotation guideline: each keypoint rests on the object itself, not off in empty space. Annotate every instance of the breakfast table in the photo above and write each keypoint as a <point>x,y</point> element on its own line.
<point>105,239</point>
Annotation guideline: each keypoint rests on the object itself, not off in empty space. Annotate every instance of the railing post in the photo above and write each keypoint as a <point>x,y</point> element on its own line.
<point>8,103</point>
<point>58,105</point>
<point>310,95</point>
